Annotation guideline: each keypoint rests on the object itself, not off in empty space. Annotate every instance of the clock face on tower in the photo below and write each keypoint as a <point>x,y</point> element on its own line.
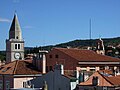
<point>17,55</point>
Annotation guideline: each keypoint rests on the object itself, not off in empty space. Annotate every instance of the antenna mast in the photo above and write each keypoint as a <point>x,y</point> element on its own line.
<point>90,33</point>
<point>90,28</point>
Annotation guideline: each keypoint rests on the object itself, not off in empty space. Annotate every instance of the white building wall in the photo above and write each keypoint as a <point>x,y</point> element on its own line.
<point>18,82</point>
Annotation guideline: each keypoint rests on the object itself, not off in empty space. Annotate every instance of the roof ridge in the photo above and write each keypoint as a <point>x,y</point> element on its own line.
<point>16,64</point>
<point>105,78</point>
<point>6,64</point>
<point>72,49</point>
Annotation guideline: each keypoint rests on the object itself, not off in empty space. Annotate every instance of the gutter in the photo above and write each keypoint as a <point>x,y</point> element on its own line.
<point>37,75</point>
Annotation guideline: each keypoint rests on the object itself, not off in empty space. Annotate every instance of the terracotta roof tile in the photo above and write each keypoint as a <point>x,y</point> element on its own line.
<point>87,55</point>
<point>114,80</point>
<point>21,67</point>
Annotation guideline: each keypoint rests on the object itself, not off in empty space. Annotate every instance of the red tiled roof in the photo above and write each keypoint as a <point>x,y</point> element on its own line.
<point>87,55</point>
<point>19,67</point>
<point>114,80</point>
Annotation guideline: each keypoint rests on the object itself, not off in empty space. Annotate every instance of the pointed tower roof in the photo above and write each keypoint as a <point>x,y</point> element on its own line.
<point>15,30</point>
<point>15,24</point>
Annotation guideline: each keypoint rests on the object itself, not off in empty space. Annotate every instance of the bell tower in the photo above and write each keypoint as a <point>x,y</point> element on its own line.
<point>15,43</point>
<point>100,47</point>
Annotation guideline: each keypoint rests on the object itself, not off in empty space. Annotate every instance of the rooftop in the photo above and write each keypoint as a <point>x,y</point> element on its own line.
<point>19,67</point>
<point>86,55</point>
<point>107,77</point>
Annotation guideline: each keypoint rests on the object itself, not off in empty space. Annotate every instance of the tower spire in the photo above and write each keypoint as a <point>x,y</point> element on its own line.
<point>15,12</point>
<point>15,30</point>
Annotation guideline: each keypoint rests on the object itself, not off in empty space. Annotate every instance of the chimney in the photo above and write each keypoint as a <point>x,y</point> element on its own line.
<point>78,74</point>
<point>59,68</point>
<point>42,56</point>
<point>62,69</point>
<point>39,61</point>
<point>34,59</point>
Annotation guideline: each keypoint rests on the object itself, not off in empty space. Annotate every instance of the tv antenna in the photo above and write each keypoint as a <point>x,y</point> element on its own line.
<point>90,33</point>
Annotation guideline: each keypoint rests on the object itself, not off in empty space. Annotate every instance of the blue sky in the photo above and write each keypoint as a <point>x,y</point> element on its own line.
<point>49,22</point>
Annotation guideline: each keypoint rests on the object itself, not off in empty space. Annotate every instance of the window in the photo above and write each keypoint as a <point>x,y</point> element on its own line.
<point>15,46</point>
<point>7,85</point>
<point>56,56</point>
<point>111,68</point>
<point>17,37</point>
<point>92,70</point>
<point>102,68</point>
<point>24,84</point>
<point>1,85</point>
<point>104,88</point>
<point>18,46</point>
<point>50,56</point>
